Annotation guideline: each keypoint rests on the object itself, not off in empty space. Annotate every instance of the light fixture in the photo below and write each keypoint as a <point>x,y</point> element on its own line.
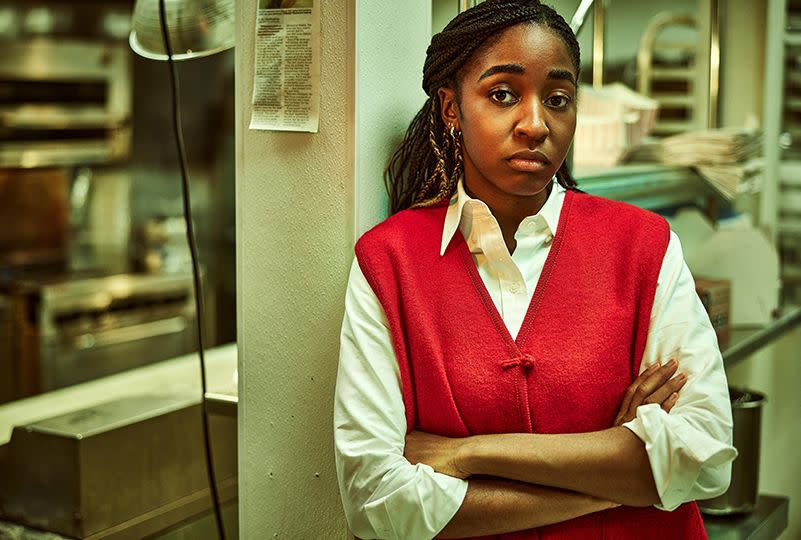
<point>197,28</point>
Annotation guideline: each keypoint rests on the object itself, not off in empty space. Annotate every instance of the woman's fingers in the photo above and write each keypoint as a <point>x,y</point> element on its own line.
<point>629,395</point>
<point>666,390</point>
<point>670,401</point>
<point>654,385</point>
<point>652,382</point>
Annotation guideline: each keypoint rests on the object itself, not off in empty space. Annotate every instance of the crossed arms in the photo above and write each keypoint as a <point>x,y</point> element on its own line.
<point>543,479</point>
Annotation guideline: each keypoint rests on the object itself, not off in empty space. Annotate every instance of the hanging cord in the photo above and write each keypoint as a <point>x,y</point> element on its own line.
<point>190,234</point>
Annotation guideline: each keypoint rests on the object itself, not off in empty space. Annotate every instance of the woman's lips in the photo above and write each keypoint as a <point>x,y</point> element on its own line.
<point>528,162</point>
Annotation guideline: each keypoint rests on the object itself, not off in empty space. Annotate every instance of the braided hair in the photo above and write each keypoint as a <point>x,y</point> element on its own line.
<point>422,156</point>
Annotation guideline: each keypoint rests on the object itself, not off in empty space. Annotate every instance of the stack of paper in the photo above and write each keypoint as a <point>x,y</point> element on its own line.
<point>712,146</point>
<point>732,179</point>
<point>728,158</point>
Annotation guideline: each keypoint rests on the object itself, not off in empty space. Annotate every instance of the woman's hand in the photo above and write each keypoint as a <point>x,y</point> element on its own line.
<point>654,385</point>
<point>440,453</point>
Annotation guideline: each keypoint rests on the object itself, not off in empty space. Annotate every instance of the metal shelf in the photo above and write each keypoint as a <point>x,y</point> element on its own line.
<point>747,341</point>
<point>651,186</point>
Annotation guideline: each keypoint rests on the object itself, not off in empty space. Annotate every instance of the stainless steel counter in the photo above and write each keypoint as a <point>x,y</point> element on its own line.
<point>175,376</point>
<point>137,441</point>
<point>766,522</point>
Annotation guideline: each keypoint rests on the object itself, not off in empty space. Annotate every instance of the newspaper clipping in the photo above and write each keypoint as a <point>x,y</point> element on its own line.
<point>286,86</point>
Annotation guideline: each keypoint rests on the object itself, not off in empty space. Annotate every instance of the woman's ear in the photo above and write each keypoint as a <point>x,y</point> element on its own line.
<point>449,107</point>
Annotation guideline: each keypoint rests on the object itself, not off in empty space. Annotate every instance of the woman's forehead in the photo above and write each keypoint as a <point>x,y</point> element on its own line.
<point>532,46</point>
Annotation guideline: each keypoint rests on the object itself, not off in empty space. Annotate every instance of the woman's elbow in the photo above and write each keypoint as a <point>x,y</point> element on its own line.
<point>354,505</point>
<point>644,495</point>
<point>714,481</point>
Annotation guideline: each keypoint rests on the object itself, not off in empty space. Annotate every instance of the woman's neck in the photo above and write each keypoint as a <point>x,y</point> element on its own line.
<point>509,210</point>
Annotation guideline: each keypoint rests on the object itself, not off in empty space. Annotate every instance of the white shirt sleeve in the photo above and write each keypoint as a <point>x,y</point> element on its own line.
<point>690,448</point>
<point>384,495</point>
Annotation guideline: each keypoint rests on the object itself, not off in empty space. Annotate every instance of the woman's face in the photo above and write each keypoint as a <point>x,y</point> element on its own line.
<point>517,113</point>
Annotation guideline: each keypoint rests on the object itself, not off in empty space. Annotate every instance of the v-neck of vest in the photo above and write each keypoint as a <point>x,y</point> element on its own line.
<point>516,344</point>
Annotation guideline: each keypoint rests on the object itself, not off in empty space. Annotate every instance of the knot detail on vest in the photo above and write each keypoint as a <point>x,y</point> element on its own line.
<point>525,361</point>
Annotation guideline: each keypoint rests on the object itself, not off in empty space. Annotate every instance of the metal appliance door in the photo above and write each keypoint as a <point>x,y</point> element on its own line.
<point>69,359</point>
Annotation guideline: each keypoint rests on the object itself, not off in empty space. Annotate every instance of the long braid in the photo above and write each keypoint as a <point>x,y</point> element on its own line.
<point>414,169</point>
<point>441,154</point>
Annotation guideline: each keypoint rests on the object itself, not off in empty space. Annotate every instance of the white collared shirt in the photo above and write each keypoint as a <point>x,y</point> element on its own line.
<point>386,497</point>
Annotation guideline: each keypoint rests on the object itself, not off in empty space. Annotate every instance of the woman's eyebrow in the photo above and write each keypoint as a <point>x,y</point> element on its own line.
<point>562,75</point>
<point>554,74</point>
<point>502,68</point>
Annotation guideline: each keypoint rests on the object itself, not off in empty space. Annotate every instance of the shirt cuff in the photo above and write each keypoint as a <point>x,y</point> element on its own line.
<point>687,463</point>
<point>418,509</point>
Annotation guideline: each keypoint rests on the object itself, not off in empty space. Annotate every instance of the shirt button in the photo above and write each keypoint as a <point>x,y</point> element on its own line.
<point>514,288</point>
<point>548,240</point>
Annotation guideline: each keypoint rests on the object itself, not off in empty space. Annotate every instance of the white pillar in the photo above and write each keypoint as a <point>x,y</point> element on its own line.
<point>302,199</point>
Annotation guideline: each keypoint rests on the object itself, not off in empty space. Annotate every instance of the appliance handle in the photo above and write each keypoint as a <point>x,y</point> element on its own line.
<point>117,336</point>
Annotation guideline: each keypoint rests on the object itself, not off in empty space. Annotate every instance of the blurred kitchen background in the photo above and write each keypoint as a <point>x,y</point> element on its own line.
<point>94,269</point>
<point>97,314</point>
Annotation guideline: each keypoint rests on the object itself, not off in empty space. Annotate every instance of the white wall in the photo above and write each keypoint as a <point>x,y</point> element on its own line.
<point>300,200</point>
<point>391,42</point>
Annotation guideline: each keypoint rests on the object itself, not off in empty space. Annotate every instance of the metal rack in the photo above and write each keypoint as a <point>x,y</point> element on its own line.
<point>789,196</point>
<point>678,109</point>
<point>747,341</point>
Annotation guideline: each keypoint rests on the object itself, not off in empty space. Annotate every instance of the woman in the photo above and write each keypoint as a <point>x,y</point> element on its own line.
<point>510,343</point>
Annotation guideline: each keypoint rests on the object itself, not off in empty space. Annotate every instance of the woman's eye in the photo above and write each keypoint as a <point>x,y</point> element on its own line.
<point>504,97</point>
<point>558,101</point>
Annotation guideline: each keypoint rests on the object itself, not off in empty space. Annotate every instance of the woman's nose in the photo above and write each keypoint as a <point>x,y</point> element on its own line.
<point>532,124</point>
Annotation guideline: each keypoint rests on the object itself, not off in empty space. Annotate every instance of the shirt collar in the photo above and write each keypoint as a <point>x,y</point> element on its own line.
<point>462,208</point>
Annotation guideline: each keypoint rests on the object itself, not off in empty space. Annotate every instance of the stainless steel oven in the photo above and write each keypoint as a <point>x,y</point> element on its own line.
<point>64,102</point>
<point>56,333</point>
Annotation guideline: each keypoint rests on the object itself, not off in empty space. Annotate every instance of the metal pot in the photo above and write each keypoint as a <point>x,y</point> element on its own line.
<point>741,497</point>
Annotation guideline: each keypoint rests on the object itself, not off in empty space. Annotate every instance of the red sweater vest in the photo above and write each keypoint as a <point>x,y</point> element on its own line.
<point>578,349</point>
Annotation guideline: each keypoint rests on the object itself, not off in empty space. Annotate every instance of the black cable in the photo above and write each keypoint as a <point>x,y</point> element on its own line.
<point>190,234</point>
